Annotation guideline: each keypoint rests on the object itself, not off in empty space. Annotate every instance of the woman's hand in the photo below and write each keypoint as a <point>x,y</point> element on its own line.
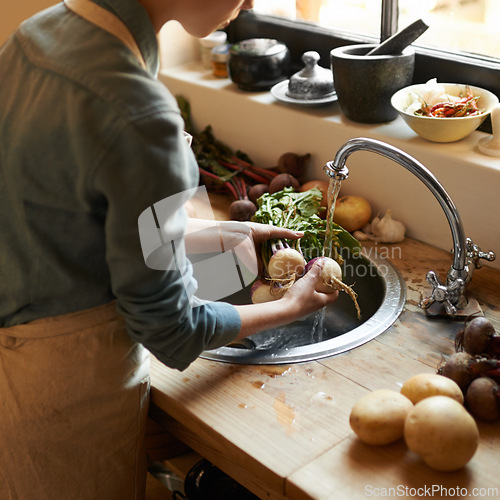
<point>246,238</point>
<point>303,295</point>
<point>301,299</point>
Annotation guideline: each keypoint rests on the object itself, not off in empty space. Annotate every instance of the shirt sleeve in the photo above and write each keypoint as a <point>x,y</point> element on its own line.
<point>150,161</point>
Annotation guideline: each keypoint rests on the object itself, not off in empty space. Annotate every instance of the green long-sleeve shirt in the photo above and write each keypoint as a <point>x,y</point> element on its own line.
<point>88,141</point>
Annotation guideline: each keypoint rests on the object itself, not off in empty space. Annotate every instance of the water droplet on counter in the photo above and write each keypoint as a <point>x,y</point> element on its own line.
<point>258,384</point>
<point>285,413</point>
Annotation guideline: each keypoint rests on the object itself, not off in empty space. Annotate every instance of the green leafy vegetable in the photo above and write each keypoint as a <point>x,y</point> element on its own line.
<point>299,211</point>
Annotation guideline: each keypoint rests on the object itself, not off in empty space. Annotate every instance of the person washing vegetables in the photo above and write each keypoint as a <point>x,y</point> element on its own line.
<point>89,139</point>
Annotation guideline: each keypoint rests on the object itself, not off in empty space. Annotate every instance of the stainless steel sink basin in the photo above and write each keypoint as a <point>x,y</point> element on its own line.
<point>381,296</point>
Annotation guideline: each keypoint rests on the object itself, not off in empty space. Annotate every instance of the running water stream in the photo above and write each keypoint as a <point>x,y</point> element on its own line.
<point>328,251</point>
<point>333,192</point>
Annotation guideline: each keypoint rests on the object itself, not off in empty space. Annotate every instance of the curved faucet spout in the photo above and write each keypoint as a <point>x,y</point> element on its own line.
<point>416,168</point>
<point>465,254</point>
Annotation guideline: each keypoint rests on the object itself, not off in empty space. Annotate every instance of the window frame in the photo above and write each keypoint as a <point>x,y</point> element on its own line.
<point>301,36</point>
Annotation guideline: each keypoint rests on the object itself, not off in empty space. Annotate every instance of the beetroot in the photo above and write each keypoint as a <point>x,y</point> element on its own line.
<point>282,181</point>
<point>255,192</point>
<point>479,337</point>
<point>483,399</point>
<point>293,164</point>
<point>242,210</point>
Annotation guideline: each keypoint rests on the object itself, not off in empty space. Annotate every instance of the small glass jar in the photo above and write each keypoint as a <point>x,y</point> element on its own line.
<point>208,43</point>
<point>220,58</point>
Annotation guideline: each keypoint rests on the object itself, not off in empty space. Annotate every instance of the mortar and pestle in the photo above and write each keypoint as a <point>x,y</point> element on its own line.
<point>367,75</point>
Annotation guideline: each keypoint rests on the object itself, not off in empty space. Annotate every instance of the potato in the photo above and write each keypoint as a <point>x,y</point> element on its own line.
<point>379,417</point>
<point>441,431</point>
<point>424,385</point>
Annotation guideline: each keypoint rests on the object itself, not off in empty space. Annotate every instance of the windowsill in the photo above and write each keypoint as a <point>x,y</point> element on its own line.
<point>264,128</point>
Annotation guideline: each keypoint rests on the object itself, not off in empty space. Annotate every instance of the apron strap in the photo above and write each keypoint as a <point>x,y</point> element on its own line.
<point>107,21</point>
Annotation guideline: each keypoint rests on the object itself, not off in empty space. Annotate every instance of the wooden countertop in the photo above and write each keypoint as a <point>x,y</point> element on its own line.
<point>283,431</point>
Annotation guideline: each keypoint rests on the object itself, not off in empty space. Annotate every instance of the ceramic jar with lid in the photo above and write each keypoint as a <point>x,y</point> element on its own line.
<point>257,64</point>
<point>313,81</point>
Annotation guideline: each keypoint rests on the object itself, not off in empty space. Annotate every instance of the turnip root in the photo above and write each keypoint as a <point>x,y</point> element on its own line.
<point>425,385</point>
<point>286,264</point>
<point>483,399</point>
<point>442,433</point>
<point>330,279</point>
<point>379,417</point>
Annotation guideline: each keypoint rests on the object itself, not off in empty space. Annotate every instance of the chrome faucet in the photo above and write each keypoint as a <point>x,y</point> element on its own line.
<point>466,255</point>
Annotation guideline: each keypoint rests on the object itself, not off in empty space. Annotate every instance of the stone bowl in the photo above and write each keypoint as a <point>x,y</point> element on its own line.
<point>365,84</point>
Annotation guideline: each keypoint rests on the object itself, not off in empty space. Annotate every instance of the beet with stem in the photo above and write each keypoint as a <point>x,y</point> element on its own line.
<point>457,368</point>
<point>463,368</point>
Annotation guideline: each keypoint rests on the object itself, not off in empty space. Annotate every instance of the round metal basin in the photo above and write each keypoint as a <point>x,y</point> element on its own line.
<point>381,296</point>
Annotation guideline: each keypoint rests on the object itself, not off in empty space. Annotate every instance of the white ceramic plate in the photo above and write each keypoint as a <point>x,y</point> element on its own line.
<point>279,90</point>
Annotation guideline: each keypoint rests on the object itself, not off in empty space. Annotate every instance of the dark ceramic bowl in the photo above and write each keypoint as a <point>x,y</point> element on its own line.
<point>365,84</point>
<point>257,64</point>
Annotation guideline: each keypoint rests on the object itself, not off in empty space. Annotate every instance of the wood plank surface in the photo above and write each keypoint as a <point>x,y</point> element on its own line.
<point>283,431</point>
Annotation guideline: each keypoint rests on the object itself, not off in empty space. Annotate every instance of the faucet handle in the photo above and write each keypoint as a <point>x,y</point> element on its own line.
<point>475,254</point>
<point>442,293</point>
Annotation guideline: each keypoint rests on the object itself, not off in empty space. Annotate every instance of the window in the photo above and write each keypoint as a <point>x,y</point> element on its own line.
<point>467,26</point>
<point>461,44</point>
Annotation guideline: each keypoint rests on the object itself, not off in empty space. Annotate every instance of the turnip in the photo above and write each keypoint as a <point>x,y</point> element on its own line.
<point>483,399</point>
<point>330,279</point>
<point>264,291</point>
<point>286,263</point>
<point>442,433</point>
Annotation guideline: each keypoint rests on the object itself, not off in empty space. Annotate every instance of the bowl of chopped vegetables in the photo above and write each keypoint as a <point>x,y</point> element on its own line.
<point>444,112</point>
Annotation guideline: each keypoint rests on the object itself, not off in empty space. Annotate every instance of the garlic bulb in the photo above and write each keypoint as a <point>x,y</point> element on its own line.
<point>384,230</point>
<point>388,230</point>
